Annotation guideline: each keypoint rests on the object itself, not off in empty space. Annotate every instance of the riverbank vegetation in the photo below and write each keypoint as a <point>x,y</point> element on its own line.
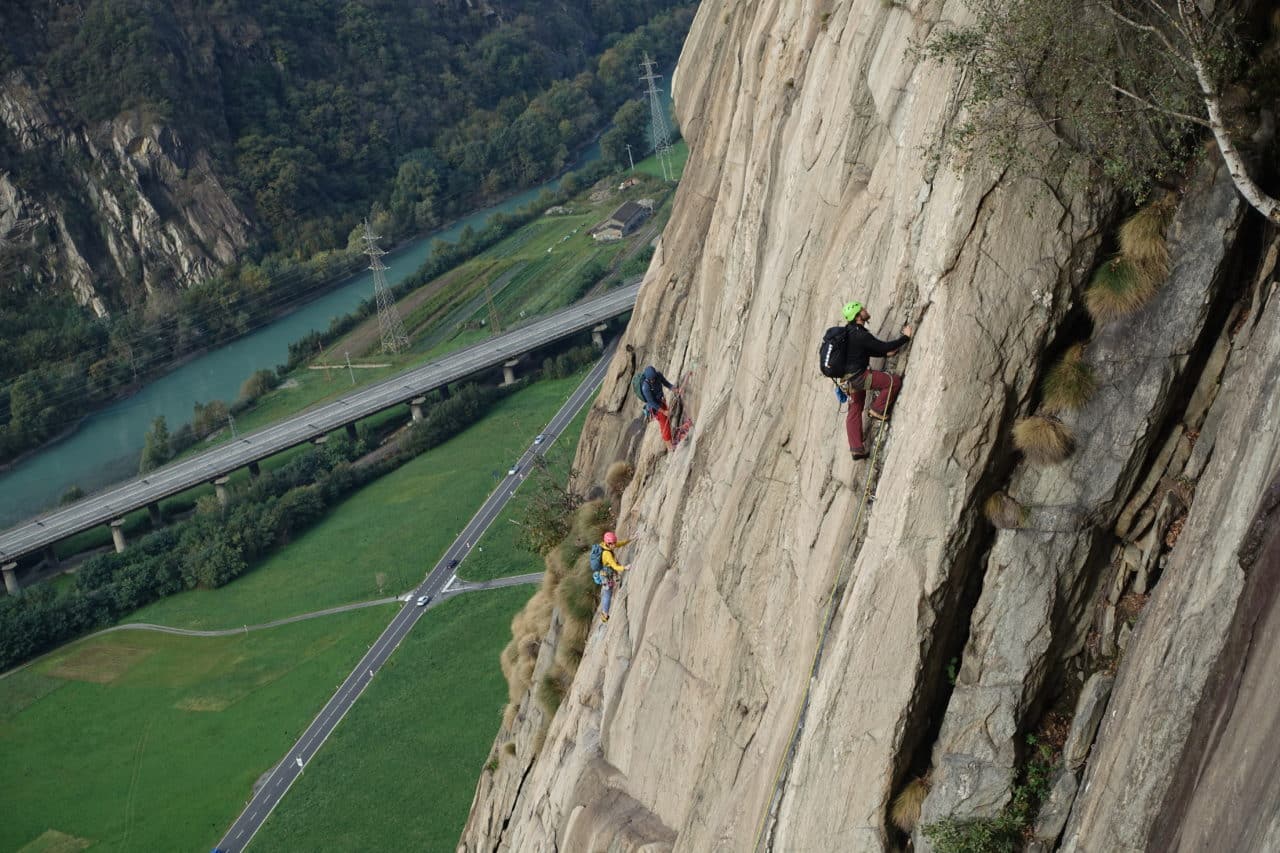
<point>220,542</point>
<point>534,269</point>
<point>324,114</point>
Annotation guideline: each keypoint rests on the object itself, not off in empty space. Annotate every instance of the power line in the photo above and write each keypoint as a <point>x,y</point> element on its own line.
<point>658,120</point>
<point>264,303</point>
<point>394,339</point>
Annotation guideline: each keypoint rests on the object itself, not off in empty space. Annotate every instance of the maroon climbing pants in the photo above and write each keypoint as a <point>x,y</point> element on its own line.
<point>885,387</point>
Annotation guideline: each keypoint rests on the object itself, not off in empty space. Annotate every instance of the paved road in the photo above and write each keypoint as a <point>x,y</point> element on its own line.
<point>457,588</point>
<point>440,581</point>
<point>116,501</point>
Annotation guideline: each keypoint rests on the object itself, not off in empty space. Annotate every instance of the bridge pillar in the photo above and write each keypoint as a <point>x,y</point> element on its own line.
<point>415,407</point>
<point>254,470</point>
<point>153,510</point>
<point>11,578</point>
<point>444,392</point>
<point>319,440</point>
<point>351,432</point>
<point>51,556</point>
<point>117,534</point>
<point>509,371</point>
<point>597,335</point>
<point>220,489</point>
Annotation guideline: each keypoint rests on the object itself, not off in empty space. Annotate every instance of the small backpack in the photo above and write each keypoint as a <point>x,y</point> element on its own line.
<point>834,352</point>
<point>599,573</point>
<point>637,386</point>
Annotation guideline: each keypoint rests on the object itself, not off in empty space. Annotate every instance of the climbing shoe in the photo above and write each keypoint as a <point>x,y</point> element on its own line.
<point>859,454</point>
<point>877,415</point>
<point>604,617</point>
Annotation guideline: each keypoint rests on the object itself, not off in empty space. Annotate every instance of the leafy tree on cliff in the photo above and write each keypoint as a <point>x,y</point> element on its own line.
<point>1125,82</point>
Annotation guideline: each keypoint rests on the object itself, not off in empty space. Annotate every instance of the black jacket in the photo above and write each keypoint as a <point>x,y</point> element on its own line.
<point>863,346</point>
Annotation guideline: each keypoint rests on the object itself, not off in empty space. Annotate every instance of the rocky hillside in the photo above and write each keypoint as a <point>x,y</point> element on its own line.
<point>781,665</point>
<point>124,200</point>
<point>145,144</point>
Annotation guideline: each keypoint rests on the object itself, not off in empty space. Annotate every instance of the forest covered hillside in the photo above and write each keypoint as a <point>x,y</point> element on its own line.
<point>149,146</point>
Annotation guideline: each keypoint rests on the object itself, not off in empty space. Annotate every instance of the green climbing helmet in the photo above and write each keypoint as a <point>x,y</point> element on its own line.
<point>851,311</point>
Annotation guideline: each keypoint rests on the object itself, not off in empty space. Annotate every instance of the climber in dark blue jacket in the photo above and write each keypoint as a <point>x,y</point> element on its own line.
<point>652,383</point>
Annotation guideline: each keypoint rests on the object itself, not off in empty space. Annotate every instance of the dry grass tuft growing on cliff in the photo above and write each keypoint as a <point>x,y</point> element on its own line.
<point>590,522</point>
<point>552,689</point>
<point>1070,383</point>
<point>557,568</point>
<point>577,593</point>
<point>905,811</point>
<point>1043,439</point>
<point>568,588</point>
<point>1142,238</point>
<point>573,643</point>
<point>1118,289</point>
<point>528,627</point>
<point>618,477</point>
<point>1004,512</point>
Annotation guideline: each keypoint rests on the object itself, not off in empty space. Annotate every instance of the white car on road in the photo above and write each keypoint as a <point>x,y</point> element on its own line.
<point>424,600</point>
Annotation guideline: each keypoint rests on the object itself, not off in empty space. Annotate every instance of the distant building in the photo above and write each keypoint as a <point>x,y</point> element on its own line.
<point>624,220</point>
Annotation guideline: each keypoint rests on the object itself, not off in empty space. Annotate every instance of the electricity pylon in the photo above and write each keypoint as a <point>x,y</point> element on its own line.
<point>658,121</point>
<point>394,338</point>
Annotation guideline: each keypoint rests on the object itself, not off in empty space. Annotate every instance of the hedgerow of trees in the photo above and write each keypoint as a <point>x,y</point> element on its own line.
<point>217,544</point>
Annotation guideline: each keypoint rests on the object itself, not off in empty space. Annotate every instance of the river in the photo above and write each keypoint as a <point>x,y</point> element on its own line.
<point>104,448</point>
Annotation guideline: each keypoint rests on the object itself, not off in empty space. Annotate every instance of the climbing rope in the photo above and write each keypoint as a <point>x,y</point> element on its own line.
<point>775,796</point>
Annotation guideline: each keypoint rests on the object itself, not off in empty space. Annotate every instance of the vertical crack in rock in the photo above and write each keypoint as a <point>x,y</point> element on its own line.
<point>1020,622</point>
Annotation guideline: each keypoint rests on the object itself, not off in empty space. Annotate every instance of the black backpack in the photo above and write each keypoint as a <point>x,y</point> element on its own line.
<point>834,351</point>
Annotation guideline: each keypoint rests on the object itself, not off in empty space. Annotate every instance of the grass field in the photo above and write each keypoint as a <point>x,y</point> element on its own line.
<point>679,156</point>
<point>170,733</point>
<point>497,555</point>
<point>396,527</point>
<point>400,771</point>
<point>143,741</point>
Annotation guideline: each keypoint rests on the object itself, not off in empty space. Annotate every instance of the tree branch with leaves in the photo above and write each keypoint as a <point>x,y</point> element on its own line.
<point>1124,82</point>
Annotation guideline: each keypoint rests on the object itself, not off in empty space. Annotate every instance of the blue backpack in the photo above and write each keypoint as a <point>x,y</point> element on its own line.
<point>598,572</point>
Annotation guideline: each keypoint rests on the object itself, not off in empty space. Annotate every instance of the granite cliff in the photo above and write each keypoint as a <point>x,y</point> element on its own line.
<point>775,673</point>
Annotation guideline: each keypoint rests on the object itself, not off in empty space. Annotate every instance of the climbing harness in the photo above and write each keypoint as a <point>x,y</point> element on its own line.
<point>775,796</point>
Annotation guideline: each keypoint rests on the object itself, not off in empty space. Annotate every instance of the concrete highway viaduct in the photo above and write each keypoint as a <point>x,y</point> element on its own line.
<point>111,505</point>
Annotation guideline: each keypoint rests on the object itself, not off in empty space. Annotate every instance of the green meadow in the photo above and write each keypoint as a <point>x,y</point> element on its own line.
<point>142,741</point>
<point>401,770</point>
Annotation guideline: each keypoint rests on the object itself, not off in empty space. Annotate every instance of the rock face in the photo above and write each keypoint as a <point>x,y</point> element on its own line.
<point>137,207</point>
<point>809,184</point>
<point>1186,757</point>
<point>1038,583</point>
<point>774,668</point>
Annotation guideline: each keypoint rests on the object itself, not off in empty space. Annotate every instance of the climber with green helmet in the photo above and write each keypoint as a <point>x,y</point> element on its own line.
<point>860,347</point>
